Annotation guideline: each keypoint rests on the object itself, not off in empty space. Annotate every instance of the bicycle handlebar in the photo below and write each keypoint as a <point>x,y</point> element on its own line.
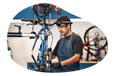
<point>20,35</point>
<point>37,21</point>
<point>30,19</point>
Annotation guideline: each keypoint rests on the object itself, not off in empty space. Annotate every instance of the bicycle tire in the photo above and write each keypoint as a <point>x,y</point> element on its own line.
<point>88,44</point>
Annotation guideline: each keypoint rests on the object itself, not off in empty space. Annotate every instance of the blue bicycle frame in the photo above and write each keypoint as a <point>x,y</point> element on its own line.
<point>44,40</point>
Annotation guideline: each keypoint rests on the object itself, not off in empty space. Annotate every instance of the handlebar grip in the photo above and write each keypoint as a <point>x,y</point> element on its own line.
<point>30,20</point>
<point>12,34</point>
<point>26,19</point>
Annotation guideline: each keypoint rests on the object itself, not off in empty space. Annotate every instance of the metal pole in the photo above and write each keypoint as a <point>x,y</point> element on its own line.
<point>42,67</point>
<point>88,47</point>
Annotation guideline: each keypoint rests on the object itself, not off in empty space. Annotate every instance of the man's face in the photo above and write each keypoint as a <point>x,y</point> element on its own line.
<point>63,29</point>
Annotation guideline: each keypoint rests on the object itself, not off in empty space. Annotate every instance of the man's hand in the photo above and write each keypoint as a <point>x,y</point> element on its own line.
<point>56,65</point>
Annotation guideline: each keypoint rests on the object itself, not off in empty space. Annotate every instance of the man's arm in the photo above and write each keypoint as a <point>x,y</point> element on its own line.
<point>52,56</point>
<point>71,60</point>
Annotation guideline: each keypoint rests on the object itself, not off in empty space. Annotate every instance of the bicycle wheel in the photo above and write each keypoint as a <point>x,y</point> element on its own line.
<point>95,32</point>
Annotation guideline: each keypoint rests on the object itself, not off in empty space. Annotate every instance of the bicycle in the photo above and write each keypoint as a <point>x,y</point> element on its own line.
<point>45,56</point>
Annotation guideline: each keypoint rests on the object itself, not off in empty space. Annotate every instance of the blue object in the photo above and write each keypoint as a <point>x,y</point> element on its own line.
<point>86,65</point>
<point>43,41</point>
<point>34,43</point>
<point>42,52</point>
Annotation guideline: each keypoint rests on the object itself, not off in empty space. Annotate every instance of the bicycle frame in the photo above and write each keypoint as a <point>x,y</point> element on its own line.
<point>44,42</point>
<point>87,49</point>
<point>90,52</point>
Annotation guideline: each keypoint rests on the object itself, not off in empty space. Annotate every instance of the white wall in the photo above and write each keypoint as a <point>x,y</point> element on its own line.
<point>21,46</point>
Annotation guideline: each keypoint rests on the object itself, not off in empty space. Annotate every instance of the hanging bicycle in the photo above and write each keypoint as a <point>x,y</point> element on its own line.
<point>44,57</point>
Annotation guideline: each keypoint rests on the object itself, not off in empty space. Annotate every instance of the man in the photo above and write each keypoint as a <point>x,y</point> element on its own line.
<point>68,49</point>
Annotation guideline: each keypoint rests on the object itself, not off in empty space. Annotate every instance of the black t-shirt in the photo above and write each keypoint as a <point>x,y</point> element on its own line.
<point>76,43</point>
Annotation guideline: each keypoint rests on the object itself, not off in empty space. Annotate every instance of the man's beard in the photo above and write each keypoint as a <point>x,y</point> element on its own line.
<point>65,33</point>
